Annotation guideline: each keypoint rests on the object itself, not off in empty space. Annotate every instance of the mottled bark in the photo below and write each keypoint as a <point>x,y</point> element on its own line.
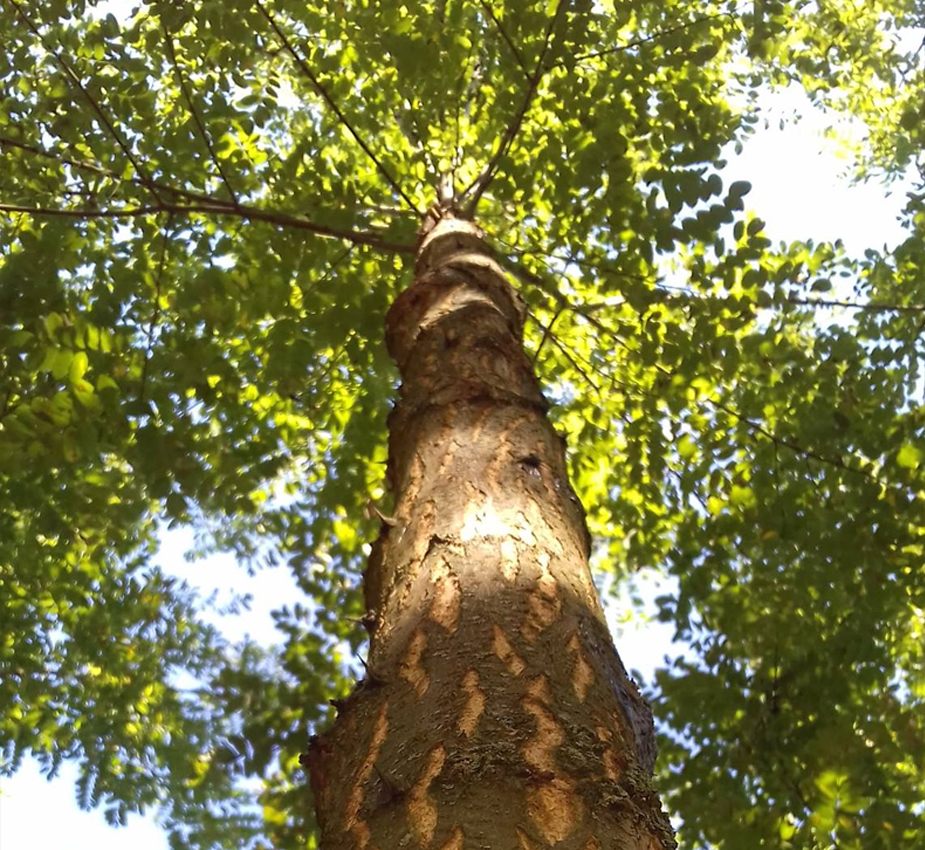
<point>497,713</point>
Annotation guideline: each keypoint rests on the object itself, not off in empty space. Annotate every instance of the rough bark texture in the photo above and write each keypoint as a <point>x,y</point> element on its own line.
<point>497,714</point>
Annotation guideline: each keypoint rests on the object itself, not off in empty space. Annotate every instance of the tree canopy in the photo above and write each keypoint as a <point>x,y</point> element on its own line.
<point>205,210</point>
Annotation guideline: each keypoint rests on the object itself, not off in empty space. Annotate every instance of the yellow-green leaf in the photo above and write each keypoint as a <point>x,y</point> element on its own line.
<point>909,456</point>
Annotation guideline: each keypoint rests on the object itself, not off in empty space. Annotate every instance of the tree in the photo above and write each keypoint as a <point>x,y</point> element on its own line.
<point>208,209</point>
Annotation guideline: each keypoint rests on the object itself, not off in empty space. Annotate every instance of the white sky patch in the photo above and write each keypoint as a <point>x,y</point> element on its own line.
<point>267,589</point>
<point>38,814</point>
<point>121,10</point>
<point>801,183</point>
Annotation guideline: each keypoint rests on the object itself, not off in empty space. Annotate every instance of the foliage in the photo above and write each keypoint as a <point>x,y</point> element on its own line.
<point>207,209</point>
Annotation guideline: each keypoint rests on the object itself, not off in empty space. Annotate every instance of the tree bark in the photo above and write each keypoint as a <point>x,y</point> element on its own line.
<point>496,713</point>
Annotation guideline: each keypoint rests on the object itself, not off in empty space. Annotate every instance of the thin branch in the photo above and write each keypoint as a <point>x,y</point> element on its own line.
<point>837,462</point>
<point>571,359</point>
<point>507,39</point>
<point>101,115</point>
<point>463,85</point>
<point>853,305</point>
<point>320,89</point>
<point>532,250</point>
<point>639,41</point>
<point>10,241</point>
<point>689,294</point>
<point>563,301</point>
<point>446,177</point>
<point>82,213</point>
<point>96,168</point>
<point>171,50</point>
<point>198,197</point>
<point>481,183</point>
<point>156,313</point>
<point>546,332</point>
<point>220,209</point>
<point>755,427</point>
<point>313,285</point>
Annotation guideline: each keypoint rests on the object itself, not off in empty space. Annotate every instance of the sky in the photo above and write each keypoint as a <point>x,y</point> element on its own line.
<point>799,189</point>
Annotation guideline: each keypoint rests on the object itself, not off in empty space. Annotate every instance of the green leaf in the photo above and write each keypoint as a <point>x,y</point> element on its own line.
<point>909,456</point>
<point>687,449</point>
<point>77,367</point>
<point>739,188</point>
<point>61,362</point>
<point>53,321</point>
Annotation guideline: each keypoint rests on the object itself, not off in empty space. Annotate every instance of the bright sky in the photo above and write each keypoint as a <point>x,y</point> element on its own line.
<point>798,189</point>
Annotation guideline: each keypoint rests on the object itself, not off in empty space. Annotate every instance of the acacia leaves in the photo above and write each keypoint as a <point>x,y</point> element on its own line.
<point>206,209</point>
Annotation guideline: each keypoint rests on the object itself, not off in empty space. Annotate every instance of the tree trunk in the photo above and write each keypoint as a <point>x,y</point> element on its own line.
<point>496,713</point>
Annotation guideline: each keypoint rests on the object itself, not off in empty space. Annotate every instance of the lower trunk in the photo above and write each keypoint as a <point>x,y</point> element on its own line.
<point>496,713</point>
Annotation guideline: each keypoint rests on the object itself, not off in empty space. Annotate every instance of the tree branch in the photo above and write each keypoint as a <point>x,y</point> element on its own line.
<point>313,285</point>
<point>507,39</point>
<point>198,197</point>
<point>481,183</point>
<point>569,355</point>
<point>563,301</point>
<point>463,85</point>
<point>584,264</point>
<point>320,89</point>
<point>220,209</point>
<point>853,305</point>
<point>688,294</point>
<point>546,332</point>
<point>97,109</point>
<point>171,50</point>
<point>639,41</point>
<point>755,427</point>
<point>103,171</point>
<point>202,203</point>
<point>156,312</point>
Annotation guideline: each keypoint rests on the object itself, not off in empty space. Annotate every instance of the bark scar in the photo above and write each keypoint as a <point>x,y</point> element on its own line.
<point>422,810</point>
<point>475,704</point>
<point>552,803</point>
<point>411,669</point>
<point>353,823</point>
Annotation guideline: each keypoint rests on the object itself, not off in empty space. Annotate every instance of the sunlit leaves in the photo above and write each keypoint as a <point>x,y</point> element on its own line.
<point>202,366</point>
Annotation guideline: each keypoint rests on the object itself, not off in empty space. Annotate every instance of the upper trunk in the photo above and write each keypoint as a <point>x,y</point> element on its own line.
<point>496,713</point>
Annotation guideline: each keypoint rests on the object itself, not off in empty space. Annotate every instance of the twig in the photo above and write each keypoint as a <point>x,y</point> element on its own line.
<point>156,312</point>
<point>110,127</point>
<point>507,39</point>
<point>578,368</point>
<point>457,151</point>
<point>481,183</point>
<point>220,209</point>
<point>533,250</point>
<point>96,168</point>
<point>755,427</point>
<point>691,294</point>
<point>171,50</point>
<point>853,305</point>
<point>550,289</point>
<point>313,285</point>
<point>640,41</point>
<point>546,332</point>
<point>322,91</point>
<point>838,463</point>
<point>243,211</point>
